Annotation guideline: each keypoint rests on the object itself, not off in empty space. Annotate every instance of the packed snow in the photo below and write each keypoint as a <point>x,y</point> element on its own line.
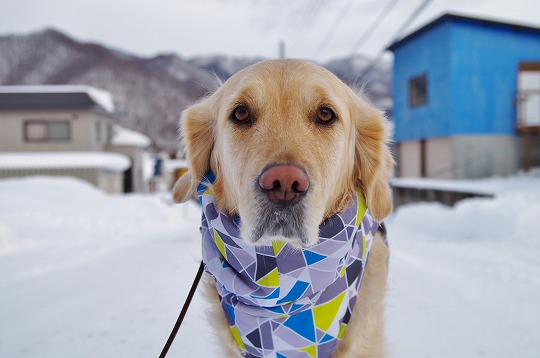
<point>86,274</point>
<point>115,162</point>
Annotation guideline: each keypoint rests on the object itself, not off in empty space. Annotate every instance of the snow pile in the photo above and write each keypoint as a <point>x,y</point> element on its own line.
<point>85,274</point>
<point>115,162</point>
<point>465,281</point>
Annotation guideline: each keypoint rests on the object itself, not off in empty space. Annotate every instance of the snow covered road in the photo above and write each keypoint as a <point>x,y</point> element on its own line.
<point>84,274</point>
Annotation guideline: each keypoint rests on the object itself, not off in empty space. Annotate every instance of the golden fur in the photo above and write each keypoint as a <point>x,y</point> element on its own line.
<point>351,154</point>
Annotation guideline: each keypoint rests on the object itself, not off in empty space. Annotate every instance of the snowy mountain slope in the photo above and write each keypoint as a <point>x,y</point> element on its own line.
<point>150,92</point>
<point>85,274</point>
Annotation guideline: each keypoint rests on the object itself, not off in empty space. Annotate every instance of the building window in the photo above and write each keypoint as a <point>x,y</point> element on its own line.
<point>43,131</point>
<point>418,91</point>
<point>35,131</point>
<point>98,131</point>
<point>528,94</point>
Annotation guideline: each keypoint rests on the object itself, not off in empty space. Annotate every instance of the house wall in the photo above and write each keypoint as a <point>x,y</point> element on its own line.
<point>136,156</point>
<point>478,156</point>
<point>472,79</point>
<point>485,61</point>
<point>468,123</point>
<point>410,162</point>
<point>439,158</point>
<point>83,127</point>
<point>429,54</point>
<point>461,157</point>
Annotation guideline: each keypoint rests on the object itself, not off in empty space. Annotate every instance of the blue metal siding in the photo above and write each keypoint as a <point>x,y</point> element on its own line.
<point>485,64</point>
<point>472,78</point>
<point>430,55</point>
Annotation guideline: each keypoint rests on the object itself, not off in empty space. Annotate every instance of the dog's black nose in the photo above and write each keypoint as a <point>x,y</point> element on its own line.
<point>284,184</point>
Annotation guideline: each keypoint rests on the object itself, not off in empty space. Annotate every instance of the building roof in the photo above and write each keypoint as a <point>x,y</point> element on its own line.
<point>123,137</point>
<point>461,18</point>
<point>114,162</point>
<point>56,97</point>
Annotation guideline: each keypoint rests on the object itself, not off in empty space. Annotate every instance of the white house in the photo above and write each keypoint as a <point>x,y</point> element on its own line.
<point>68,130</point>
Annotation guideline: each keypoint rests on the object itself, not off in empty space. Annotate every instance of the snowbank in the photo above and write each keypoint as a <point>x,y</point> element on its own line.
<point>115,162</point>
<point>85,274</point>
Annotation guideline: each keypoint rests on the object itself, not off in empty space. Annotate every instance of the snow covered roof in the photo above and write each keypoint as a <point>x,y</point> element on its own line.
<point>55,96</point>
<point>39,160</point>
<point>127,137</point>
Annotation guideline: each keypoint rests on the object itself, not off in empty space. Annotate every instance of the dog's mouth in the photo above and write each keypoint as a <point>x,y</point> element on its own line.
<point>285,223</point>
<point>281,191</point>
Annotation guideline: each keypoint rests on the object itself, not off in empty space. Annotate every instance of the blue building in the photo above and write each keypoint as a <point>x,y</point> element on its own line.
<point>467,98</point>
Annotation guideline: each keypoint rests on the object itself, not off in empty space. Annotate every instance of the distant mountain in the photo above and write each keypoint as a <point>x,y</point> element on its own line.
<point>150,92</point>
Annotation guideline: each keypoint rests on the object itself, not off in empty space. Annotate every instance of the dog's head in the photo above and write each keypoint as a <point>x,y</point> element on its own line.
<point>289,144</point>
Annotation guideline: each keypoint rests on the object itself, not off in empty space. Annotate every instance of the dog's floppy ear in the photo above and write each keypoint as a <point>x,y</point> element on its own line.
<point>197,124</point>
<point>373,161</point>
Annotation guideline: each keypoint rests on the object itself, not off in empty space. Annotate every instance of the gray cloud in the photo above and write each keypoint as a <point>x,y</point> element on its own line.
<point>239,27</point>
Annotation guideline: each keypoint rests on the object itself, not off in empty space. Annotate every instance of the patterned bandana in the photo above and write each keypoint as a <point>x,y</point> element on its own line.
<point>282,301</point>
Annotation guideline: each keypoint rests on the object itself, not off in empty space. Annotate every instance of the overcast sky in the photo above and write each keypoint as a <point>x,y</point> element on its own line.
<point>311,29</point>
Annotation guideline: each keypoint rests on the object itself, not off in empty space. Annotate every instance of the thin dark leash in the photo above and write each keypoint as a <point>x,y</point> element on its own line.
<point>183,312</point>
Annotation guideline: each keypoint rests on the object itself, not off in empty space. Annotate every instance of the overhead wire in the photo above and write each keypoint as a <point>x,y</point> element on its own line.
<point>374,25</point>
<point>397,36</point>
<point>306,23</point>
<point>332,29</point>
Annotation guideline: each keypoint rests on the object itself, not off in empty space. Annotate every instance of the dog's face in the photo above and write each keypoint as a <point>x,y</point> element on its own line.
<point>289,144</point>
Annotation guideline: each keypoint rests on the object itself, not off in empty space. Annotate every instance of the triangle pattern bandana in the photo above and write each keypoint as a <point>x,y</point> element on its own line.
<point>282,301</point>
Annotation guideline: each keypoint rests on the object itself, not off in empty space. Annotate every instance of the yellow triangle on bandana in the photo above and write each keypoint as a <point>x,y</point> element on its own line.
<point>324,314</point>
<point>220,244</point>
<point>237,337</point>
<point>342,272</point>
<point>311,350</point>
<point>271,279</point>
<point>277,246</point>
<point>342,329</point>
<point>362,208</point>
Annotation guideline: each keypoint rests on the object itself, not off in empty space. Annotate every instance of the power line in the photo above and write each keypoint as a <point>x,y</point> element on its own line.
<point>371,29</point>
<point>308,19</point>
<point>332,30</point>
<point>395,38</point>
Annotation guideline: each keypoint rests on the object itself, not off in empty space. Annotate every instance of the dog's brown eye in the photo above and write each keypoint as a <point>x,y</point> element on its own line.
<point>241,114</point>
<point>325,115</point>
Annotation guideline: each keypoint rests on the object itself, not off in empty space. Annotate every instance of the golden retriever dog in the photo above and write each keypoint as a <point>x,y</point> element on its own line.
<point>290,132</point>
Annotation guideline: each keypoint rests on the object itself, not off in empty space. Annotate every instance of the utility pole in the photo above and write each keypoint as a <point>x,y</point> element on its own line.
<point>281,49</point>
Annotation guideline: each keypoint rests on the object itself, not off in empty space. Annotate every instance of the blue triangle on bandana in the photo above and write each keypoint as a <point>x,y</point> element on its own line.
<point>295,293</point>
<point>280,355</point>
<point>303,324</point>
<point>294,307</point>
<point>208,179</point>
<point>232,316</point>
<point>326,338</point>
<point>313,257</point>
<point>274,294</point>
<point>276,309</point>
